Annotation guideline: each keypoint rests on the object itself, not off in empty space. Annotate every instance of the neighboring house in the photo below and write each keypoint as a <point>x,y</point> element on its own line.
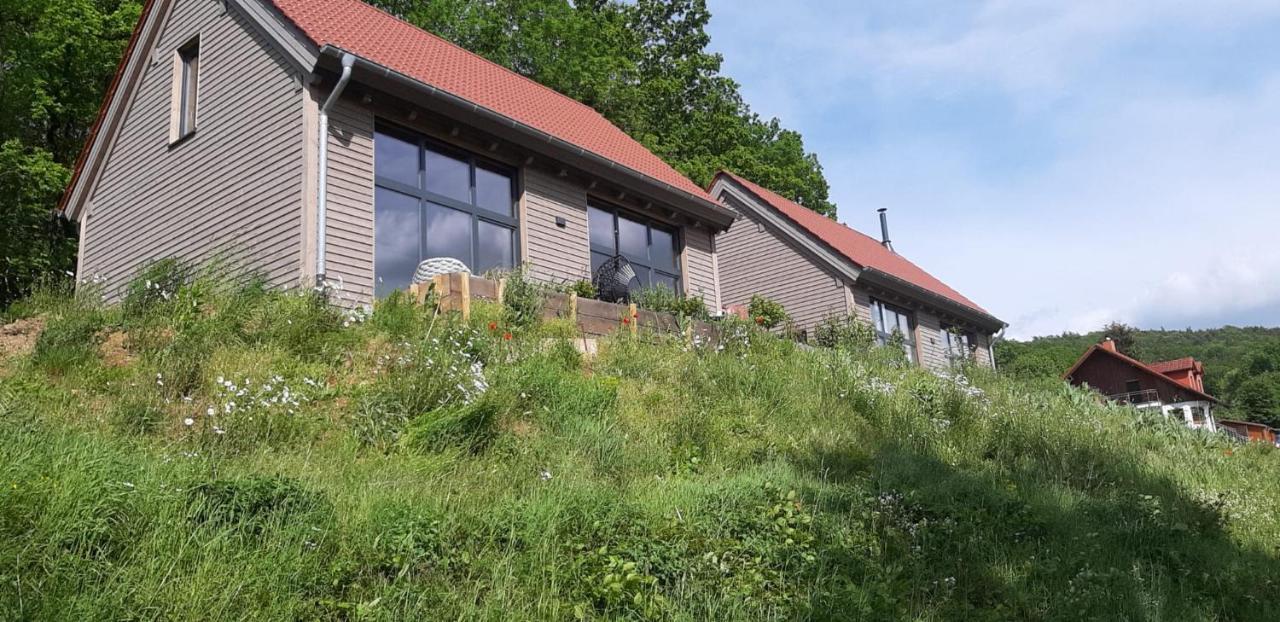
<point>1248,431</point>
<point>212,141</point>
<point>818,268</point>
<point>1179,392</point>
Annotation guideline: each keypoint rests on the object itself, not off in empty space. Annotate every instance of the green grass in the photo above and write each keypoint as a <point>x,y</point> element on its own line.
<point>405,466</point>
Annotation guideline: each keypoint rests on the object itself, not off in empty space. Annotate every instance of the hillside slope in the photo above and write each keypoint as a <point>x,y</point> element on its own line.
<point>253,455</point>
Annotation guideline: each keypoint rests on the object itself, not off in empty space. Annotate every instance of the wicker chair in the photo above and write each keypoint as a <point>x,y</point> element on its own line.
<point>436,266</point>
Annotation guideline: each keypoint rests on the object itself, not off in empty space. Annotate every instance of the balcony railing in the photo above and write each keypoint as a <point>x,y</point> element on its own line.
<point>1136,398</point>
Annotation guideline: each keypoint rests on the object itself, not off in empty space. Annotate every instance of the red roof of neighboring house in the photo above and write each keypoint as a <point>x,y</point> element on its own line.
<point>1185,362</point>
<point>1137,364</point>
<point>379,37</point>
<point>861,249</point>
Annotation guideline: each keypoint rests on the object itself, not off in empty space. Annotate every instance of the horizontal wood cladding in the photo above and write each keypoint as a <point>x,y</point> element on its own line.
<point>700,266</point>
<point>349,239</point>
<point>232,190</point>
<point>554,253</point>
<point>753,260</point>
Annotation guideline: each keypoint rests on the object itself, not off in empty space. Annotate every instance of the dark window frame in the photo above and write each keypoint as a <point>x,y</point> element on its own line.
<point>677,241</point>
<point>967,340</point>
<point>477,213</point>
<point>878,307</point>
<point>188,87</point>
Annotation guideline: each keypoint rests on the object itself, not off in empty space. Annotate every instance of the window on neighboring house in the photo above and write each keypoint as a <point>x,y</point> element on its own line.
<point>651,248</point>
<point>1197,415</point>
<point>186,90</point>
<point>959,344</point>
<point>890,320</point>
<point>432,200</point>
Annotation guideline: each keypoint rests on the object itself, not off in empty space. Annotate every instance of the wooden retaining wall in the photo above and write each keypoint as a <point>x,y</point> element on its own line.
<point>594,318</point>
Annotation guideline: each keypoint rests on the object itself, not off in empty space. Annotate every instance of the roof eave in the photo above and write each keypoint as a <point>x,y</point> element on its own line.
<point>701,208</point>
<point>962,311</point>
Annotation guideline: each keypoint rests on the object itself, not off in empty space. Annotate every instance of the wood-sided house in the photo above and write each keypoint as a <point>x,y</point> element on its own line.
<point>326,139</point>
<point>818,268</point>
<point>1175,388</point>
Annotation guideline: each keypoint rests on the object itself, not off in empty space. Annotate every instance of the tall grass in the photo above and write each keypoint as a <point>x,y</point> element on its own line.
<point>259,455</point>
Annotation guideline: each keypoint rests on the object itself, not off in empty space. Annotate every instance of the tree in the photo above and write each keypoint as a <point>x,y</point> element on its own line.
<point>56,59</point>
<point>1123,336</point>
<point>646,67</point>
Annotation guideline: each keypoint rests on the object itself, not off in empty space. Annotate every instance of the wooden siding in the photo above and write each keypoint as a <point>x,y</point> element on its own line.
<point>930,344</point>
<point>349,238</point>
<point>700,266</point>
<point>234,189</point>
<point>555,254</point>
<point>754,260</point>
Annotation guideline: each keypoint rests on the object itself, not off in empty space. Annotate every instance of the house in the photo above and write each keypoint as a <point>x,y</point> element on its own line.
<point>818,268</point>
<point>1249,431</point>
<point>325,141</point>
<point>1177,392</point>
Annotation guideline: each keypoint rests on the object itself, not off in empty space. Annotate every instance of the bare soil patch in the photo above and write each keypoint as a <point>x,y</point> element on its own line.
<point>19,338</point>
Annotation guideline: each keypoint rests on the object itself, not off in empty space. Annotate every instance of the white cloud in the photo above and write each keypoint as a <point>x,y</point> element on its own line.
<point>1154,200</point>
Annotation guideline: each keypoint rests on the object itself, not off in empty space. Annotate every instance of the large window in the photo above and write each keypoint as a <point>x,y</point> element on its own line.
<point>436,201</point>
<point>652,249</point>
<point>889,321</point>
<point>959,344</point>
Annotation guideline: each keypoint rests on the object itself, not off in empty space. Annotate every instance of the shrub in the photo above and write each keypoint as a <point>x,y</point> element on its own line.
<point>155,284</point>
<point>663,299</point>
<point>68,340</point>
<point>523,299</point>
<point>766,312</point>
<point>254,504</point>
<point>583,288</point>
<point>846,333</point>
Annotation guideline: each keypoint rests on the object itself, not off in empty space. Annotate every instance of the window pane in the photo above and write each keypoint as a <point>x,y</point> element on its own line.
<point>395,159</point>
<point>493,191</point>
<point>395,234</point>
<point>633,239</point>
<point>664,280</point>
<point>597,260</point>
<point>496,250</point>
<point>601,224</point>
<point>447,176</point>
<point>663,250</point>
<point>448,233</point>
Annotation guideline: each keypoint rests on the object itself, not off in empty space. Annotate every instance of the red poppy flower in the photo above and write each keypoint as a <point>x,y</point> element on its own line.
<point>626,320</point>
<point>759,319</point>
<point>493,326</point>
<point>507,337</point>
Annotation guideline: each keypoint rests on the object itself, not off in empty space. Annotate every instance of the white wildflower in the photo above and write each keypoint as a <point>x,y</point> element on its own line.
<point>189,422</point>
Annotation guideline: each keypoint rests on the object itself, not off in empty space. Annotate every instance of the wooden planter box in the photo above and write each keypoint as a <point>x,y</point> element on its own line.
<point>594,318</point>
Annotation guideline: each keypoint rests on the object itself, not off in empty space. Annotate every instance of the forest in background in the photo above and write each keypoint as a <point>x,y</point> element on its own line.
<point>1242,365</point>
<point>645,65</point>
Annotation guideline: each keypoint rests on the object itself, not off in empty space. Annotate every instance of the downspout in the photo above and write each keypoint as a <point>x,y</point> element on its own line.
<point>991,347</point>
<point>348,61</point>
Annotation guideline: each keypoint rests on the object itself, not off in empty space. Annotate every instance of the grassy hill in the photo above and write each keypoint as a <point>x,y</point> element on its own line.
<point>1242,365</point>
<point>210,453</point>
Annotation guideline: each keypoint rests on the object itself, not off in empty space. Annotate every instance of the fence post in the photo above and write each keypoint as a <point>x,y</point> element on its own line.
<point>633,318</point>
<point>465,292</point>
<point>502,288</point>
<point>440,283</point>
<point>573,307</point>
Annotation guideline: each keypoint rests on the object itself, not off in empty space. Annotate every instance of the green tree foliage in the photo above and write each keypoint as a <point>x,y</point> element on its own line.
<point>1122,335</point>
<point>1242,365</point>
<point>33,242</point>
<point>56,60</point>
<point>645,66</point>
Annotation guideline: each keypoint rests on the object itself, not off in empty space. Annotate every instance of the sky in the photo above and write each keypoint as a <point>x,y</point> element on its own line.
<point>1063,164</point>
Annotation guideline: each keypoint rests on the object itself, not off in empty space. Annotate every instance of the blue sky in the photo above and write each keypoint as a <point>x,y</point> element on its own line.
<point>1062,163</point>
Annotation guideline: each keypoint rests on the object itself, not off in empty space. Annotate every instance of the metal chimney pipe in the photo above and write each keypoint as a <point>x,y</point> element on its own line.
<point>884,228</point>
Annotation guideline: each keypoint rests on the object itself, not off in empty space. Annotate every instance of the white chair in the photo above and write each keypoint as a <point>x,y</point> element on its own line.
<point>436,266</point>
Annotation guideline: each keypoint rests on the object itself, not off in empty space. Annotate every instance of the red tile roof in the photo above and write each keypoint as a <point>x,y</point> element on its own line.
<point>1138,365</point>
<point>861,249</point>
<point>1165,367</point>
<point>379,37</point>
